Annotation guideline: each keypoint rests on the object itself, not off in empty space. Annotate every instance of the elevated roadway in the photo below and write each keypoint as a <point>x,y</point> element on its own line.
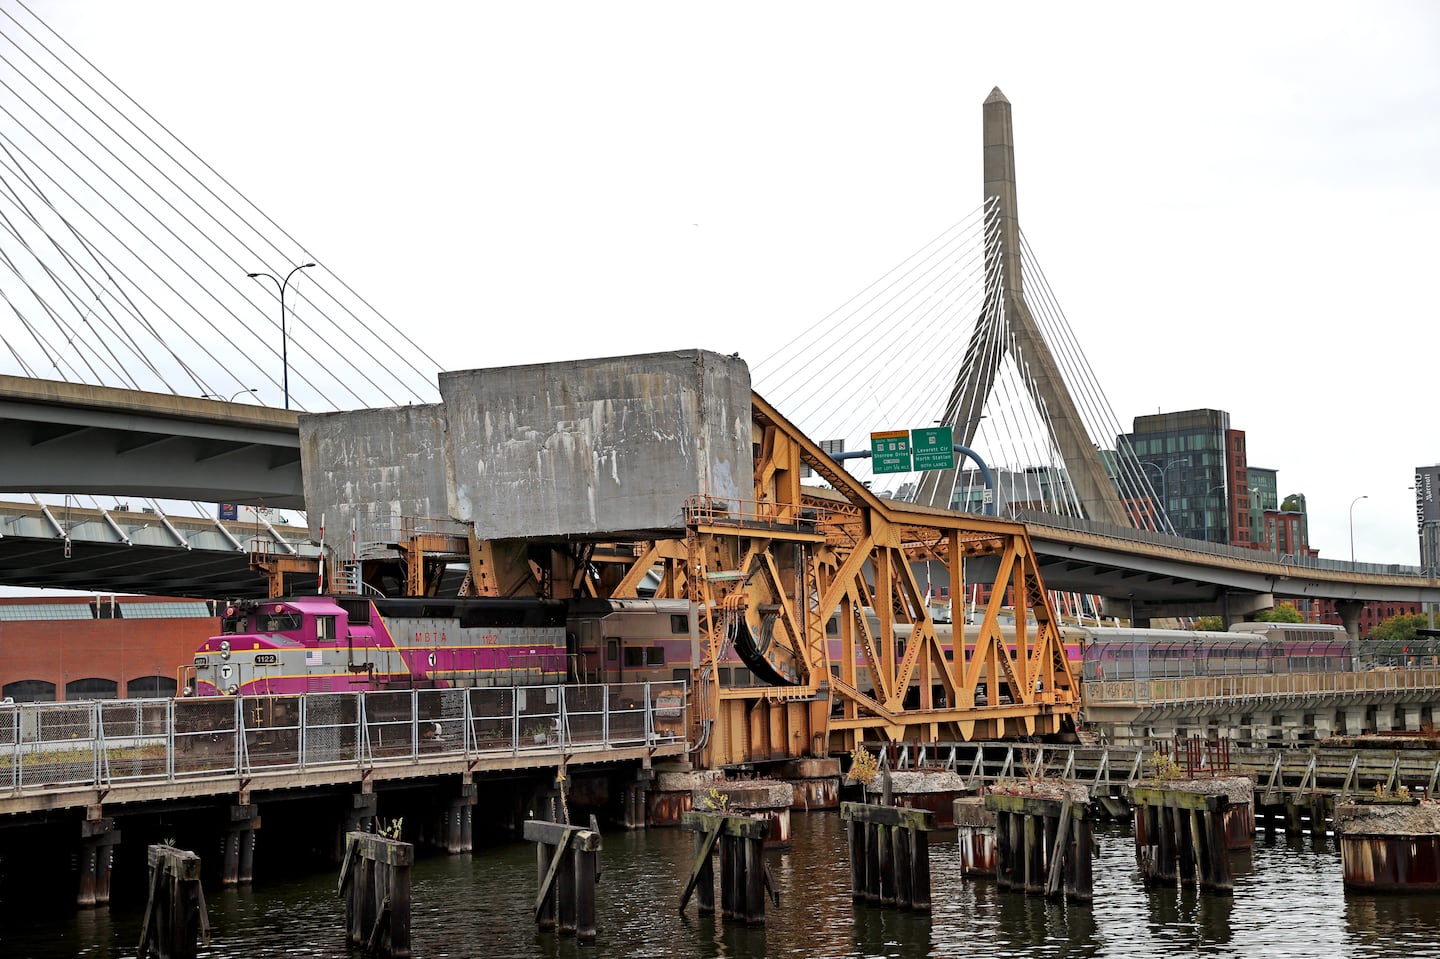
<point>68,438</point>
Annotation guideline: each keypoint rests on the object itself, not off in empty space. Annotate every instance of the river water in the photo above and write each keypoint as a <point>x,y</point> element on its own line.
<point>1288,901</point>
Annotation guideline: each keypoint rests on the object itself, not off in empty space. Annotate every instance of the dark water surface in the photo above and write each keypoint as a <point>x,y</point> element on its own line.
<point>1288,901</point>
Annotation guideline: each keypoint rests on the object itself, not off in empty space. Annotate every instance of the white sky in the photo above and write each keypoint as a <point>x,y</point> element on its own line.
<point>1236,203</point>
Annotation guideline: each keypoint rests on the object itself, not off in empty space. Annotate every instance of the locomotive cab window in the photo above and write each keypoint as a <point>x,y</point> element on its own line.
<point>325,629</point>
<point>279,623</point>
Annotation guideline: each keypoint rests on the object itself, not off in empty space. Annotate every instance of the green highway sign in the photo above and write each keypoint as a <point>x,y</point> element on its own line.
<point>890,451</point>
<point>933,449</point>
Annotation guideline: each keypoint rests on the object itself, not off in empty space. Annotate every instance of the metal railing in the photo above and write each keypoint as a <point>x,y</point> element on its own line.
<point>101,743</point>
<point>1221,689</point>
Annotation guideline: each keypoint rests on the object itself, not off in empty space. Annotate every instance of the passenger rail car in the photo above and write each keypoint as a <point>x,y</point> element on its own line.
<point>1125,654</point>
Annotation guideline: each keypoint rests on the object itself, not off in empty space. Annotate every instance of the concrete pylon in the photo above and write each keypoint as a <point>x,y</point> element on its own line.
<point>1021,336</point>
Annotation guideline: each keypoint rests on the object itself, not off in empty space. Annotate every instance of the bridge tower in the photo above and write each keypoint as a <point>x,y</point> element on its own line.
<point>1008,325</point>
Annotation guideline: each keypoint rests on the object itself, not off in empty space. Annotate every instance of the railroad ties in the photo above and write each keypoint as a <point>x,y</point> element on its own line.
<point>175,921</point>
<point>375,880</point>
<point>568,863</point>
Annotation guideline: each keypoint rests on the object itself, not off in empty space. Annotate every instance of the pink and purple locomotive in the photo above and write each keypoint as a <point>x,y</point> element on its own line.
<point>350,643</point>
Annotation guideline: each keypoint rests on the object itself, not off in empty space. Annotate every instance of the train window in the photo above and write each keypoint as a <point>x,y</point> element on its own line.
<point>655,656</point>
<point>634,655</point>
<point>680,624</point>
<point>325,628</point>
<point>832,626</point>
<point>612,650</point>
<point>680,674</point>
<point>279,623</point>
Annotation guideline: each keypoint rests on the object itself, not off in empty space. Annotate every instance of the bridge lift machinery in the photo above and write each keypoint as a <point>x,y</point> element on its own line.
<point>766,579</point>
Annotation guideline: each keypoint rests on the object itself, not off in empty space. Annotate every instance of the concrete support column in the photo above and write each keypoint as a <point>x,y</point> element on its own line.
<point>1355,720</point>
<point>1324,725</point>
<point>98,838</point>
<point>237,864</point>
<point>1406,715</point>
<point>455,832</point>
<point>1349,610</point>
<point>1383,719</point>
<point>1291,726</point>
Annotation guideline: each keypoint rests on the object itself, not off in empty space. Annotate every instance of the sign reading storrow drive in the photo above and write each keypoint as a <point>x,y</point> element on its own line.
<point>890,451</point>
<point>605,446</point>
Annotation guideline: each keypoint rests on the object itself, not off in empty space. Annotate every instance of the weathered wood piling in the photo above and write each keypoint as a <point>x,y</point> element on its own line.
<point>237,862</point>
<point>568,865</point>
<point>98,838</point>
<point>375,880</point>
<point>1389,844</point>
<point>1043,843</point>
<point>975,836</point>
<point>744,874</point>
<point>889,854</point>
<point>1180,836</point>
<point>175,922</point>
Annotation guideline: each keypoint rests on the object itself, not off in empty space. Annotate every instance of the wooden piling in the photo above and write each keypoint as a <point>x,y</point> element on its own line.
<point>237,862</point>
<point>744,876</point>
<point>175,923</point>
<point>1040,845</point>
<point>1183,838</point>
<point>375,879</point>
<point>890,854</point>
<point>567,862</point>
<point>98,838</point>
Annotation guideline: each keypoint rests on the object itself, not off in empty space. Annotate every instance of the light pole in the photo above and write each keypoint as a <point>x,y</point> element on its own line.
<point>284,340</point>
<point>1164,471</point>
<point>216,396</point>
<point>1352,525</point>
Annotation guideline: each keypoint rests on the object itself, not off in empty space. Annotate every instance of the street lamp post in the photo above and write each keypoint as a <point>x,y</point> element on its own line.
<point>284,339</point>
<point>216,396</point>
<point>1164,471</point>
<point>1352,525</point>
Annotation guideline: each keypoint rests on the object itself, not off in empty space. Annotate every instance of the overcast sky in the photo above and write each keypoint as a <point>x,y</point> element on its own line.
<point>1236,204</point>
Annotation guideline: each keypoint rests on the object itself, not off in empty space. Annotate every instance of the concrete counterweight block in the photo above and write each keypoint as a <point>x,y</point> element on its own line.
<point>1390,845</point>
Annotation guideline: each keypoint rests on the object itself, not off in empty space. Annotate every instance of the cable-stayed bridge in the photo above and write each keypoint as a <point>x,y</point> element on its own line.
<point>128,265</point>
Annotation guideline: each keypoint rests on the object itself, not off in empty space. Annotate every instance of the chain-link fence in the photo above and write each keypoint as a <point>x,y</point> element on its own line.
<point>98,743</point>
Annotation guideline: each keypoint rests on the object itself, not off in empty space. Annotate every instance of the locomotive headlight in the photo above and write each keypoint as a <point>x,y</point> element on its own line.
<point>224,649</point>
<point>232,689</point>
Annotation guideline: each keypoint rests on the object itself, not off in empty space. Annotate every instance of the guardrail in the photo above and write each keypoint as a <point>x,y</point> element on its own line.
<point>101,743</point>
<point>1221,689</point>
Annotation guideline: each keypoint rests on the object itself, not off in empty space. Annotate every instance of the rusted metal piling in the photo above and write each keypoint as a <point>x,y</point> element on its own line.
<point>1180,836</point>
<point>889,854</point>
<point>1389,844</point>
<point>744,874</point>
<point>175,922</point>
<point>975,836</point>
<point>375,879</point>
<point>1043,843</point>
<point>568,865</point>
